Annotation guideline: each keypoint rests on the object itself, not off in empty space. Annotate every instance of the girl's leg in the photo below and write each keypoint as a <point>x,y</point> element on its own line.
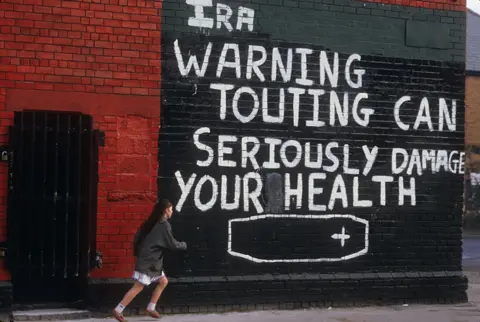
<point>162,283</point>
<point>129,296</point>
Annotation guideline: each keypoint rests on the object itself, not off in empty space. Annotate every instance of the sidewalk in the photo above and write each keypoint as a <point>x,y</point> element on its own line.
<point>467,312</point>
<point>437,313</point>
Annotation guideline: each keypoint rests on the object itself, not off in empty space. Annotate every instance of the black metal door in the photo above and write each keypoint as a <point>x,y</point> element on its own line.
<point>52,198</point>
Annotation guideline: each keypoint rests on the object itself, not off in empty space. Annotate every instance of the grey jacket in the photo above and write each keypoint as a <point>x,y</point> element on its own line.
<point>151,250</point>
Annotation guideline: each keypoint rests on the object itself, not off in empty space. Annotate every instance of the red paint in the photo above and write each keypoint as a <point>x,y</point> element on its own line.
<point>456,5</point>
<point>89,103</point>
<point>82,56</point>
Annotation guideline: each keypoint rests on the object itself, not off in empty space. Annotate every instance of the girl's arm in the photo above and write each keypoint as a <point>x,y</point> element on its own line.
<point>170,241</point>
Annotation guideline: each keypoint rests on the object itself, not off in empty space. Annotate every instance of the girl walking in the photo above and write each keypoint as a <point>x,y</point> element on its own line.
<point>149,244</point>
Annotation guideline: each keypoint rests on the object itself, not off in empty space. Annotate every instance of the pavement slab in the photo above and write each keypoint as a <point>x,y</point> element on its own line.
<point>424,313</point>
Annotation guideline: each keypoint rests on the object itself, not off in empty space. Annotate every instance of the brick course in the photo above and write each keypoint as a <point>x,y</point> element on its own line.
<point>439,5</point>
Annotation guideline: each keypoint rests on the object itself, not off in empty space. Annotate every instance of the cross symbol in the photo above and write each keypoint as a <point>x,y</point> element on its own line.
<point>341,236</point>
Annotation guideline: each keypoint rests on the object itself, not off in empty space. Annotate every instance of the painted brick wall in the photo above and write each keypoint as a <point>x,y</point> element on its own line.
<point>103,58</point>
<point>240,138</point>
<point>100,58</point>
<point>441,5</point>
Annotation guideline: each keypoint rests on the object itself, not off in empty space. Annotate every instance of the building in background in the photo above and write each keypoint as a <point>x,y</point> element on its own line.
<point>314,150</point>
<point>472,121</point>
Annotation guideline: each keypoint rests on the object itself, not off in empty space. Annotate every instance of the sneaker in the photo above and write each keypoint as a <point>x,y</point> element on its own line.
<point>119,316</point>
<point>154,314</point>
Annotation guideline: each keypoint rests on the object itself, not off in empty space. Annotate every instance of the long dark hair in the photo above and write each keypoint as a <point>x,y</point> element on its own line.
<point>156,215</point>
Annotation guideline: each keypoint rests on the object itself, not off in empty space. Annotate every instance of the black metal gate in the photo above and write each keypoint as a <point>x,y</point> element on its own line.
<point>52,199</point>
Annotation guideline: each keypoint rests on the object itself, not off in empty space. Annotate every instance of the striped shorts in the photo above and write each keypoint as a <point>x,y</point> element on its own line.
<point>145,279</point>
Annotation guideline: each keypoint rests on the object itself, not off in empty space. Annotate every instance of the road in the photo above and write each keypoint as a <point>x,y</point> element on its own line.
<point>467,312</point>
<point>471,253</point>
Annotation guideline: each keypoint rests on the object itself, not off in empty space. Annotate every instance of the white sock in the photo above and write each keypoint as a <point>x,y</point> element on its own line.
<point>151,306</point>
<point>119,309</point>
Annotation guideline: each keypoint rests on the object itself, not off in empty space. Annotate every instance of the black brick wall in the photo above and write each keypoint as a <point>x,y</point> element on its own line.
<point>401,252</point>
<point>339,25</point>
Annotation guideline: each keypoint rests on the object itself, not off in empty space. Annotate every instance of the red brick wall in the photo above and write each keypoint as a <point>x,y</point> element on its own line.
<point>457,5</point>
<point>100,57</point>
<point>472,110</point>
<point>471,214</point>
<point>472,131</point>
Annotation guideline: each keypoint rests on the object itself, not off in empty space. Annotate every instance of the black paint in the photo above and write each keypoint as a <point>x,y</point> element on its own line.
<point>266,292</point>
<point>51,205</point>
<point>292,238</point>
<point>189,104</point>
<point>368,28</point>
<point>422,242</point>
<point>427,34</point>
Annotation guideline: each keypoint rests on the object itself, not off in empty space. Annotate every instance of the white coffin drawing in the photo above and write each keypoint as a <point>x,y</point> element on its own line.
<point>361,252</point>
